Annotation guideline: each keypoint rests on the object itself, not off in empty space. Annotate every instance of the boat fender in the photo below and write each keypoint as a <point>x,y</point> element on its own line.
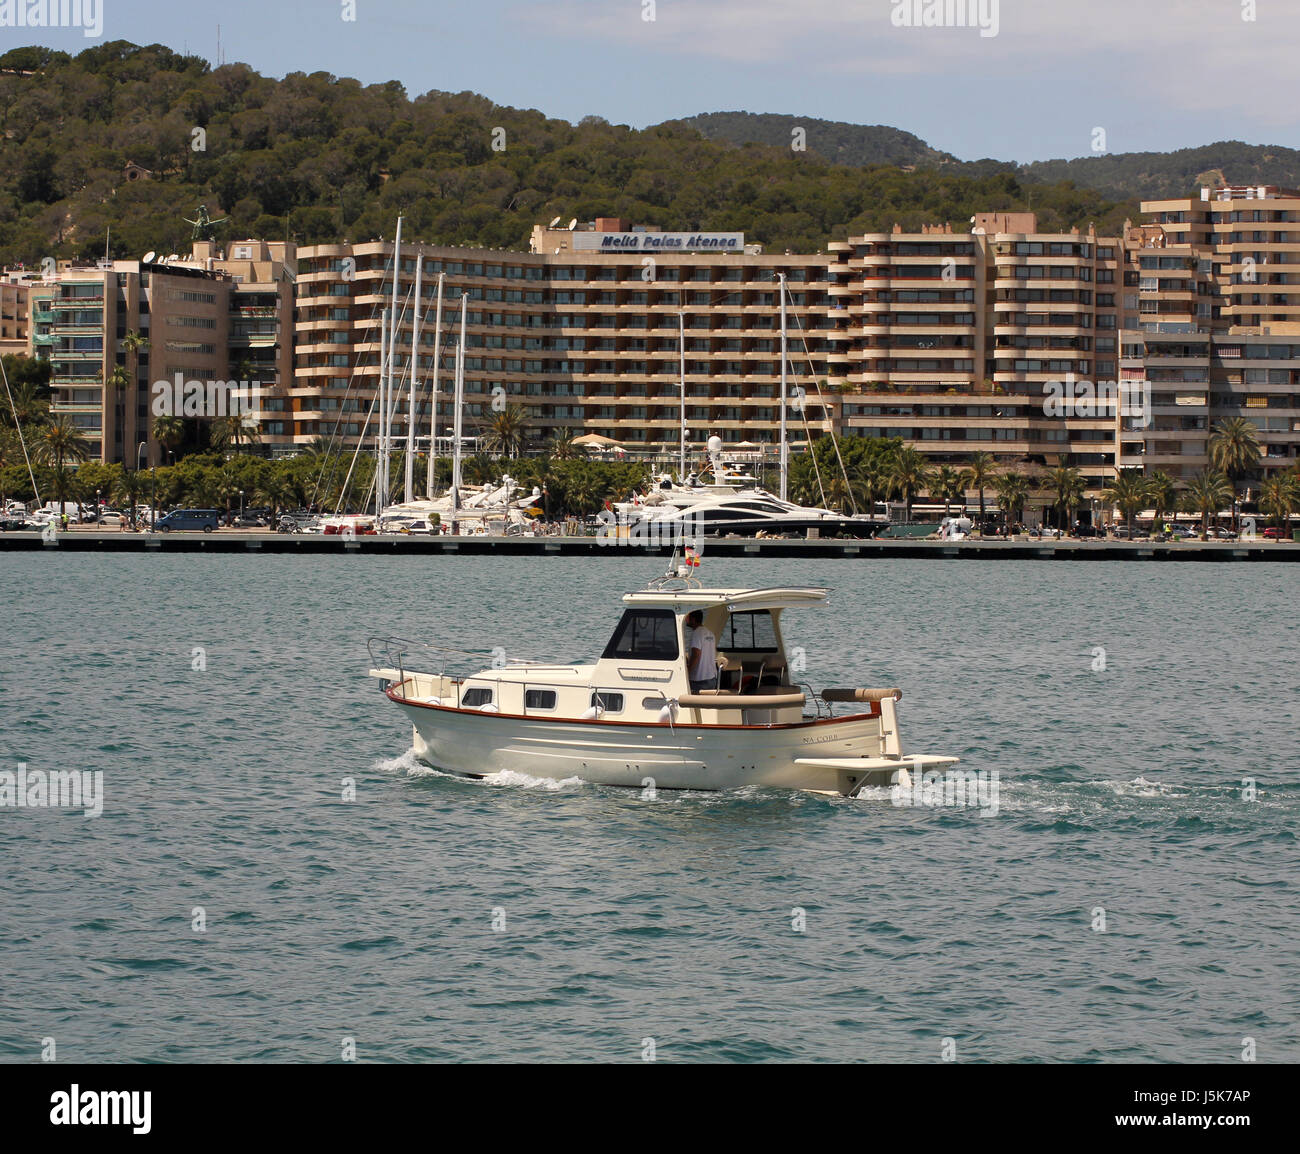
<point>490,707</point>
<point>668,714</point>
<point>592,713</point>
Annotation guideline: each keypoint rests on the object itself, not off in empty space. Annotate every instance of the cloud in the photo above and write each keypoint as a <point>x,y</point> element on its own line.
<point>1185,55</point>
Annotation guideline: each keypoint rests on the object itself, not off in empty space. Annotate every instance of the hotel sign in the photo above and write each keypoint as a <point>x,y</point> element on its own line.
<point>659,242</point>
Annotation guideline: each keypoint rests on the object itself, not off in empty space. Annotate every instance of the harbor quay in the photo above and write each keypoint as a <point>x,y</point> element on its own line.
<point>1015,548</point>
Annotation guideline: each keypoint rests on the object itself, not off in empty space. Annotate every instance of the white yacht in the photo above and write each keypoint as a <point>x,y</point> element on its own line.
<point>630,718</point>
<point>502,505</point>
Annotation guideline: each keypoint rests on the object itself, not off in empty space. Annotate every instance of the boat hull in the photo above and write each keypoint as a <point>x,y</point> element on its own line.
<point>680,756</point>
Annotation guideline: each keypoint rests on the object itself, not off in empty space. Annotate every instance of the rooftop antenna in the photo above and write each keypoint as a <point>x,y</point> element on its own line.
<point>554,223</point>
<point>219,60</point>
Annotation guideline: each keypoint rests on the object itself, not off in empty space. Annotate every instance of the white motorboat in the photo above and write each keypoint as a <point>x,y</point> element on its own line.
<point>631,718</point>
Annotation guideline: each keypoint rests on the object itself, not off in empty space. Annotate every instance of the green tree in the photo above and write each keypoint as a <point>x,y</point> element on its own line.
<point>1067,485</point>
<point>948,486</point>
<point>1234,452</point>
<point>1162,492</point>
<point>1279,497</point>
<point>1127,493</point>
<point>61,442</point>
<point>907,475</point>
<point>504,431</point>
<point>979,474</point>
<point>1012,489</point>
<point>1207,493</point>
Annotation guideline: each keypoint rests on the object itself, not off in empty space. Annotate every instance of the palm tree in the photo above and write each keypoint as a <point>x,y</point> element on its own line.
<point>842,493</point>
<point>504,431</point>
<point>948,485</point>
<point>28,407</point>
<point>128,485</point>
<point>908,475</point>
<point>1279,497</point>
<point>1234,452</point>
<point>168,431</point>
<point>228,432</point>
<point>1162,492</point>
<point>60,442</point>
<point>132,343</point>
<point>562,447</point>
<point>1207,493</point>
<point>979,474</point>
<point>1127,493</point>
<point>117,382</point>
<point>1012,489</point>
<point>1068,485</point>
<point>277,490</point>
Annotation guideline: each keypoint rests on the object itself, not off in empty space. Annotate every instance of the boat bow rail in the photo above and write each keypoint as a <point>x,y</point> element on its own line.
<point>392,658</point>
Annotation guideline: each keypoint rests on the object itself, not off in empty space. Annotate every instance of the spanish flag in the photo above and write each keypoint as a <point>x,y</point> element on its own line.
<point>692,557</point>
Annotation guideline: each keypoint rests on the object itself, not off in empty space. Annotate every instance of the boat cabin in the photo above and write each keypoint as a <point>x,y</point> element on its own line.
<point>642,676</point>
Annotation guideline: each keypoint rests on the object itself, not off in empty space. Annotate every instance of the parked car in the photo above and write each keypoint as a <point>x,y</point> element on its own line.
<point>1219,534</point>
<point>13,522</point>
<point>1272,533</point>
<point>204,519</point>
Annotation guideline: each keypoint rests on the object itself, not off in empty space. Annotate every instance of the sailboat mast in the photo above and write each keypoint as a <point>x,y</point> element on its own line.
<point>681,335</point>
<point>785,447</point>
<point>460,405</point>
<point>409,494</point>
<point>379,442</point>
<point>437,364</point>
<point>386,425</point>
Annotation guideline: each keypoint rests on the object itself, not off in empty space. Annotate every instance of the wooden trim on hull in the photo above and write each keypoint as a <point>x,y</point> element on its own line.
<point>873,712</point>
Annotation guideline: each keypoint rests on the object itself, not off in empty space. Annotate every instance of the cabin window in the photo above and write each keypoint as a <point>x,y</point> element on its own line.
<point>609,702</point>
<point>754,632</point>
<point>473,698</point>
<point>539,698</point>
<point>645,635</point>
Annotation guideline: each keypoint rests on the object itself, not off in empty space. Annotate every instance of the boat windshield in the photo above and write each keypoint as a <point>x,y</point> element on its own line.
<point>752,632</point>
<point>645,634</point>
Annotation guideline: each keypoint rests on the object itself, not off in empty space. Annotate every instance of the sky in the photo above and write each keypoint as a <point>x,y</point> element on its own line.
<point>1013,79</point>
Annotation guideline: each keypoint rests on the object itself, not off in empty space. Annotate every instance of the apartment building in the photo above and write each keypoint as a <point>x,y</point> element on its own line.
<point>955,342</point>
<point>204,317</point>
<point>587,334</point>
<point>15,316</point>
<point>1218,296</point>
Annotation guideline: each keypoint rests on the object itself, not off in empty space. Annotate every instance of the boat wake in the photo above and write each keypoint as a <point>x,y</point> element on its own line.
<point>409,765</point>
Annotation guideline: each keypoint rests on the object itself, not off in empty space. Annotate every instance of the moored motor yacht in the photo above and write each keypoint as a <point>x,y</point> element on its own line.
<point>631,718</point>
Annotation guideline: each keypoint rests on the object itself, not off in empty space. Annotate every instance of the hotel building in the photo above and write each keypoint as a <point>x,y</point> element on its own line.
<point>585,333</point>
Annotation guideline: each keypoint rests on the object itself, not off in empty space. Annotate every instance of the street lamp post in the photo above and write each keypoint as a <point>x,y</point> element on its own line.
<point>241,505</point>
<point>141,450</point>
<point>98,512</point>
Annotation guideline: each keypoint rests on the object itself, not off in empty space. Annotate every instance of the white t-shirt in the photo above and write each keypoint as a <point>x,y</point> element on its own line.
<point>706,668</point>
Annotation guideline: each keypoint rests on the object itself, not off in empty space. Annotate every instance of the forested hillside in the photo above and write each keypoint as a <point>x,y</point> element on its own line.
<point>318,157</point>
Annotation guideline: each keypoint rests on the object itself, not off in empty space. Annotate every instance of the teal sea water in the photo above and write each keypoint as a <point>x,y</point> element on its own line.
<point>438,919</point>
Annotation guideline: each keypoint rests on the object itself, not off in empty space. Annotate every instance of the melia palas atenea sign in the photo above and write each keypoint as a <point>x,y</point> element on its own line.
<point>659,242</point>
